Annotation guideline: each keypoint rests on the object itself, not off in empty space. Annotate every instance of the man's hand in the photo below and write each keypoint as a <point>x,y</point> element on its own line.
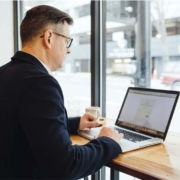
<point>111,133</point>
<point>88,121</point>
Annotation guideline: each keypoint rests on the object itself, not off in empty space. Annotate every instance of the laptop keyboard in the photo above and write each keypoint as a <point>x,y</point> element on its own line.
<point>132,136</point>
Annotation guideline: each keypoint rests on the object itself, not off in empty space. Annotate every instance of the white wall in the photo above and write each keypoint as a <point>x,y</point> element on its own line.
<point>6,31</point>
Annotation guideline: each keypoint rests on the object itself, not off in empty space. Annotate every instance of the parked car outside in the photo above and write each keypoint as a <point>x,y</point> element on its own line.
<point>171,75</point>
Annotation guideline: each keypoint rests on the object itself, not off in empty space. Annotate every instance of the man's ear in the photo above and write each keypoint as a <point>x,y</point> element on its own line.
<point>47,38</point>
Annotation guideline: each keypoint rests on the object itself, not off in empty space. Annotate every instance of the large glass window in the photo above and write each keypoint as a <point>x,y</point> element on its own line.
<point>120,51</point>
<point>74,77</point>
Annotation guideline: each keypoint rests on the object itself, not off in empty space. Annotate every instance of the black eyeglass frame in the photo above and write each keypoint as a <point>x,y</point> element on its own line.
<point>68,43</point>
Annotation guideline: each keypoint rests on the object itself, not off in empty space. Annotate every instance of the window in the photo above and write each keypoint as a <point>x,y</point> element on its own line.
<point>123,18</point>
<point>83,10</point>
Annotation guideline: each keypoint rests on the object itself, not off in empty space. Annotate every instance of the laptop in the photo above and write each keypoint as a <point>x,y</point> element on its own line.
<point>144,118</point>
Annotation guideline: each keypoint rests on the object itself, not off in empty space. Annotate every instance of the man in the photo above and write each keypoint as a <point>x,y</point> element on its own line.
<point>34,127</point>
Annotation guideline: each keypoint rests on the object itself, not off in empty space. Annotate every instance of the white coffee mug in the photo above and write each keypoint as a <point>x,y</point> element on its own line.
<point>94,110</point>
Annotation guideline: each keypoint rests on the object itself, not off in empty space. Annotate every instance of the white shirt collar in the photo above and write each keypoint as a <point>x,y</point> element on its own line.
<point>48,70</point>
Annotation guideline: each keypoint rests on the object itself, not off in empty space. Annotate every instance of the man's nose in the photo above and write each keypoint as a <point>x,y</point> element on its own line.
<point>68,51</point>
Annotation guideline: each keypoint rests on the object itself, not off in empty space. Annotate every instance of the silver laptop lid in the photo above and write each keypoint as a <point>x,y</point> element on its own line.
<point>148,111</point>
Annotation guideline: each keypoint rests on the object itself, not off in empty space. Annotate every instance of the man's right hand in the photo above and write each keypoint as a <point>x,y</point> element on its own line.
<point>111,133</point>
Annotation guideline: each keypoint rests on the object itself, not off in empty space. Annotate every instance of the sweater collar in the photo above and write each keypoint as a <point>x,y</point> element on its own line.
<point>30,59</point>
<point>48,70</point>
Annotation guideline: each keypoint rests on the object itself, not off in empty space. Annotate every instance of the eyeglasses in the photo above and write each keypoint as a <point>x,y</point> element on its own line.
<point>69,42</point>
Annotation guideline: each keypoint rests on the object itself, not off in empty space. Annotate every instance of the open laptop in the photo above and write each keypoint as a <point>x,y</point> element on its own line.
<point>144,118</point>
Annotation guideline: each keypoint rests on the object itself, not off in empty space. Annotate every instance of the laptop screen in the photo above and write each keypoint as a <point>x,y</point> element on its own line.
<point>147,110</point>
